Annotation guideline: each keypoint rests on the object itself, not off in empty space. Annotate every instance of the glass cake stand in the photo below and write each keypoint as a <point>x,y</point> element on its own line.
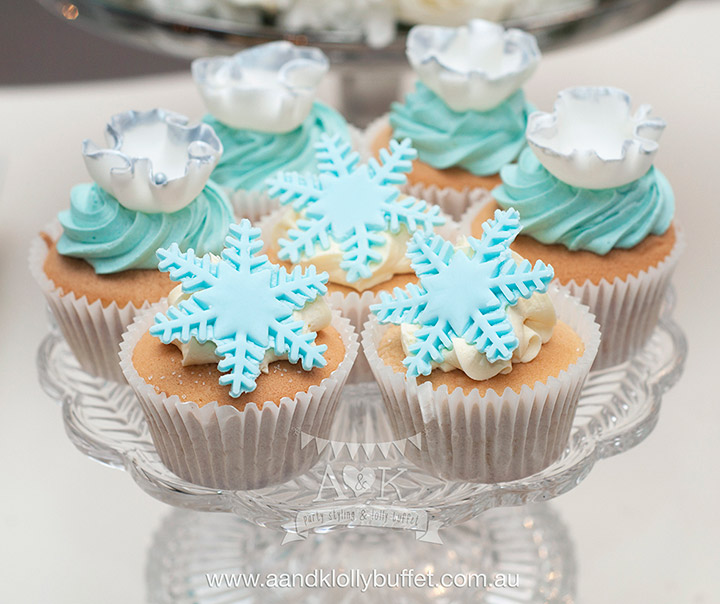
<point>485,528</point>
<point>370,77</point>
<point>193,28</point>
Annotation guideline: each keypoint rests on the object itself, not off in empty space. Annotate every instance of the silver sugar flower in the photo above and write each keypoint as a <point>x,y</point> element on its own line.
<point>592,140</point>
<point>154,162</point>
<point>473,67</point>
<point>267,88</point>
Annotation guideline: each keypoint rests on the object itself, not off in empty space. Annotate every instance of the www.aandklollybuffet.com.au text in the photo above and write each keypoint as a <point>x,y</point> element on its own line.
<point>363,580</point>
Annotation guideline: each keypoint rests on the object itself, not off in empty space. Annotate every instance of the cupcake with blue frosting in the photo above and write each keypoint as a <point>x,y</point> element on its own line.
<point>592,203</point>
<point>97,265</point>
<point>262,104</point>
<point>240,366</point>
<point>467,115</point>
<point>480,358</point>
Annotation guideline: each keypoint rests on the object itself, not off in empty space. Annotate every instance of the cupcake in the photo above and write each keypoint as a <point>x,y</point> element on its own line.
<point>593,205</point>
<point>228,410</point>
<point>467,115</point>
<point>479,359</point>
<point>261,103</point>
<point>97,265</point>
<point>351,221</point>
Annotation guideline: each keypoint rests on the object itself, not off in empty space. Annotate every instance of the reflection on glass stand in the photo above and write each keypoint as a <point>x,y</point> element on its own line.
<point>195,28</point>
<point>507,555</point>
<point>372,485</point>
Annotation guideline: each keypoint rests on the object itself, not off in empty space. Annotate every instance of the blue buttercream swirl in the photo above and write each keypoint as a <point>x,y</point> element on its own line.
<point>597,220</point>
<point>250,157</point>
<point>98,229</point>
<point>481,142</point>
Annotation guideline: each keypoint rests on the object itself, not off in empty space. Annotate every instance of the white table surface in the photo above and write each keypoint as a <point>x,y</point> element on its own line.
<point>645,523</point>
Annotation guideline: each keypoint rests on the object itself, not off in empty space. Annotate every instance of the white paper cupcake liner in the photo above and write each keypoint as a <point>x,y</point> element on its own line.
<point>92,331</point>
<point>355,306</point>
<point>452,202</point>
<point>220,447</point>
<point>627,310</point>
<point>495,437</point>
<point>253,205</point>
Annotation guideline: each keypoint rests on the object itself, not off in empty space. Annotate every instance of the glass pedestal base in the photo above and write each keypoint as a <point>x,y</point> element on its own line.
<point>504,556</point>
<point>617,409</point>
<point>496,548</point>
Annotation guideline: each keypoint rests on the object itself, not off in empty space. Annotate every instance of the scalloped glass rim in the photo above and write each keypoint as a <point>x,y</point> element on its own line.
<point>618,408</point>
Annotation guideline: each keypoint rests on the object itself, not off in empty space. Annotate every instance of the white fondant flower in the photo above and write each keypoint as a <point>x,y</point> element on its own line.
<point>268,88</point>
<point>154,162</point>
<point>592,140</point>
<point>473,67</point>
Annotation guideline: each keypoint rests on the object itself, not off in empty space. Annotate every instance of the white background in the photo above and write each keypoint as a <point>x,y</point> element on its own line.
<point>645,524</point>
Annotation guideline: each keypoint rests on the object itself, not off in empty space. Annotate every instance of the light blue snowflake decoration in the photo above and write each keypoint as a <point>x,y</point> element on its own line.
<point>351,205</point>
<point>243,304</point>
<point>463,295</point>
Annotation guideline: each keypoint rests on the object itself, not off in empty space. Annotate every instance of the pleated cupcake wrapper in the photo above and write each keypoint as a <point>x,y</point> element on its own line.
<point>220,447</point>
<point>452,202</point>
<point>488,438</point>
<point>355,306</point>
<point>92,331</point>
<point>627,310</point>
<point>253,205</point>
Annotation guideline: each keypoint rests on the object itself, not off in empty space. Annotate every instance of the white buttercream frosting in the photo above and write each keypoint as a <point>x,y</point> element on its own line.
<point>314,315</point>
<point>532,320</point>
<point>393,259</point>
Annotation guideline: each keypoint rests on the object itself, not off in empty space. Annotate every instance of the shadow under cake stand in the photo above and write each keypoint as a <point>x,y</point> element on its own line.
<point>397,512</point>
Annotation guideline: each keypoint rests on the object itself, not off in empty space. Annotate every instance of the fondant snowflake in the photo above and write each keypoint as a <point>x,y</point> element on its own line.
<point>242,303</point>
<point>463,295</point>
<point>352,205</point>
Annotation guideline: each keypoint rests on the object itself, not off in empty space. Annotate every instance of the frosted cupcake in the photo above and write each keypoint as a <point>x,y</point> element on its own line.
<point>478,359</point>
<point>593,205</point>
<point>467,115</point>
<point>97,265</point>
<point>247,361</point>
<point>350,221</point>
<point>261,103</point>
